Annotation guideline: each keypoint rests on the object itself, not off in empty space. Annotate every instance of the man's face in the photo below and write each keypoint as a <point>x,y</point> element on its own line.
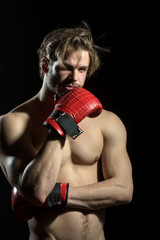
<point>72,74</point>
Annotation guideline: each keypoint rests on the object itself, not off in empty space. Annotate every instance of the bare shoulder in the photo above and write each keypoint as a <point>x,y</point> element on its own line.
<point>14,125</point>
<point>15,122</point>
<point>111,125</point>
<point>110,117</point>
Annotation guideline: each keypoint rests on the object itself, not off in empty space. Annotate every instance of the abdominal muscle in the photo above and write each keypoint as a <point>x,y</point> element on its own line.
<point>70,224</point>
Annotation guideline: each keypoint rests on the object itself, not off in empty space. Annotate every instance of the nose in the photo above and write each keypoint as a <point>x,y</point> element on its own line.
<point>74,75</point>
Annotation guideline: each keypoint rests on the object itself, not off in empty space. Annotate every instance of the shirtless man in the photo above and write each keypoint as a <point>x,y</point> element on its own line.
<point>94,167</point>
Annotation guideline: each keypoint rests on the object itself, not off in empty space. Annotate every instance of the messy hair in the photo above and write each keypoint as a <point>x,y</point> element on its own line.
<point>55,45</point>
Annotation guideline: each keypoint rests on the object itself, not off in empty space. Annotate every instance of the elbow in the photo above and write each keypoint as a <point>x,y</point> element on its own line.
<point>35,196</point>
<point>38,197</point>
<point>36,193</point>
<point>126,195</point>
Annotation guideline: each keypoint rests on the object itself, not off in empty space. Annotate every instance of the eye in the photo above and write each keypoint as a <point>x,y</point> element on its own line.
<point>82,69</point>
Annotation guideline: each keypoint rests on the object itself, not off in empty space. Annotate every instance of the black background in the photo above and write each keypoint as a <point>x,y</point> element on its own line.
<point>121,85</point>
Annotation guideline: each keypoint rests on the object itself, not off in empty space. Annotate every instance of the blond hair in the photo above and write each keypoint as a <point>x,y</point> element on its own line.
<point>55,45</point>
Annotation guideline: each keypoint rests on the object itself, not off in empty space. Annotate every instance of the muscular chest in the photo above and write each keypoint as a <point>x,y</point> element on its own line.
<point>86,149</point>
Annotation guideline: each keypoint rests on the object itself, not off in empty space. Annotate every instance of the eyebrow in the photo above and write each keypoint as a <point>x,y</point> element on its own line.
<point>71,66</point>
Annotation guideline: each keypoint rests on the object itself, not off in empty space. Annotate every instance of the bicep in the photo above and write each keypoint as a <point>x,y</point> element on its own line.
<point>116,163</point>
<point>14,164</point>
<point>16,150</point>
<point>115,160</point>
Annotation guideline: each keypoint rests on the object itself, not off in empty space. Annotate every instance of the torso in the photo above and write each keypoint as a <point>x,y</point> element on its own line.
<point>80,166</point>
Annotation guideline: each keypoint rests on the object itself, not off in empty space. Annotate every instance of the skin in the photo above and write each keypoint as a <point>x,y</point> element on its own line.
<point>96,165</point>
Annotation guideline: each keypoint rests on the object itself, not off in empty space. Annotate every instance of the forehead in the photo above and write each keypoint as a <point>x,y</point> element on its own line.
<point>77,57</point>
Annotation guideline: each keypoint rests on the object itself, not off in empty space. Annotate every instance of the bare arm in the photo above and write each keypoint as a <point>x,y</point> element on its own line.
<point>30,171</point>
<point>117,187</point>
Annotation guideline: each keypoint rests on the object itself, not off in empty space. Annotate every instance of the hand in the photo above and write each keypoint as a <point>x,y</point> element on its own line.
<point>22,209</point>
<point>72,108</point>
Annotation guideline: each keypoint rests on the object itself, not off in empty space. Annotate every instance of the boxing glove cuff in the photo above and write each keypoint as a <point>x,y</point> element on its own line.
<point>59,121</point>
<point>58,196</point>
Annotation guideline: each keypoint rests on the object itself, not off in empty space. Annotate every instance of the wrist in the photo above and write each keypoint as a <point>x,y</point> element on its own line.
<point>71,194</point>
<point>58,196</point>
<point>53,135</point>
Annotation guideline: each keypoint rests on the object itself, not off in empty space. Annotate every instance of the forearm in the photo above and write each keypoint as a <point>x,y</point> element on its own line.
<point>40,175</point>
<point>99,195</point>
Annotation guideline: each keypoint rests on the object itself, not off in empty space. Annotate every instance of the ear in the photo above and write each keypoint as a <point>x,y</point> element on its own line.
<point>44,65</point>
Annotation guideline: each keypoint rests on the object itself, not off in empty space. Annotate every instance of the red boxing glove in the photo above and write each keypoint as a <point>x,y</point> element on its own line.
<point>70,109</point>
<point>21,208</point>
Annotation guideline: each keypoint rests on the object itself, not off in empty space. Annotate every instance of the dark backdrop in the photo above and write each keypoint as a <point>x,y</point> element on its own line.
<point>120,85</point>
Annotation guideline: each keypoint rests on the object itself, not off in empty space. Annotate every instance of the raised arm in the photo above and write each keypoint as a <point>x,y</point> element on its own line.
<point>117,187</point>
<point>31,171</point>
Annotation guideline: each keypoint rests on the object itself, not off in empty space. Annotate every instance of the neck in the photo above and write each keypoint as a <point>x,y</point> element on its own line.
<point>46,99</point>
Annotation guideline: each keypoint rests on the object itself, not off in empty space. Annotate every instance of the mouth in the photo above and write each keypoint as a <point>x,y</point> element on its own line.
<point>70,87</point>
<point>66,87</point>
